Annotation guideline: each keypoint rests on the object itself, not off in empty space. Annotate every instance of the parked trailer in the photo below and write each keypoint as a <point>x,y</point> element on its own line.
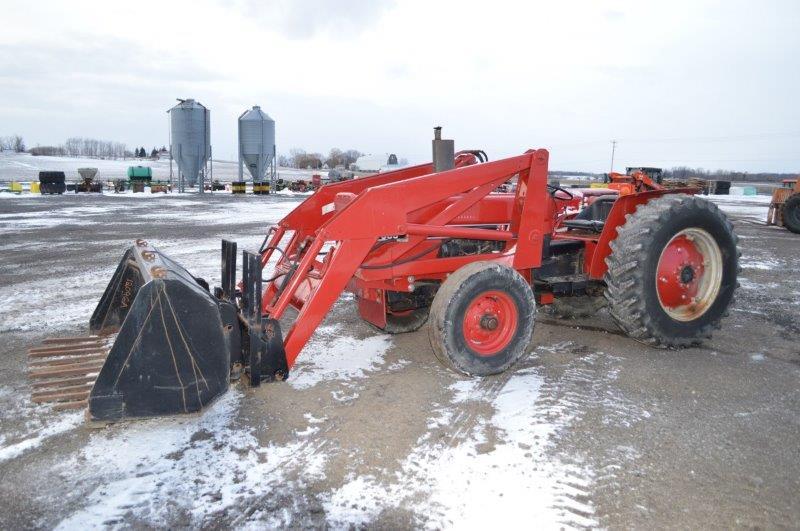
<point>52,182</point>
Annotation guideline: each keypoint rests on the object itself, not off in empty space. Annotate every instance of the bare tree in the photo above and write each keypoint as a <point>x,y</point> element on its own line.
<point>48,151</point>
<point>93,148</point>
<point>311,161</point>
<point>350,156</point>
<point>335,158</point>
<point>294,155</point>
<point>298,158</point>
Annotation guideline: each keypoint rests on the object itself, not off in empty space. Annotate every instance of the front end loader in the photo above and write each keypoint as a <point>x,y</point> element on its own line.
<point>467,246</point>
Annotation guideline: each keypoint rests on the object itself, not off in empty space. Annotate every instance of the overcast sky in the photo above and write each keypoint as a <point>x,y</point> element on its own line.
<point>701,83</point>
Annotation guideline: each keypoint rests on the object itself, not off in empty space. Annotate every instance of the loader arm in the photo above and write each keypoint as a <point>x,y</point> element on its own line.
<point>309,215</point>
<point>353,217</point>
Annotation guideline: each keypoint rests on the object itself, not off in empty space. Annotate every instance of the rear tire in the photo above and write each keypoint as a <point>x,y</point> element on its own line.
<point>672,271</point>
<point>482,319</point>
<point>791,213</point>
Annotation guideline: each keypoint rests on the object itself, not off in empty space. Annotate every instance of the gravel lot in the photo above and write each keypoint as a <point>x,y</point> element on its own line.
<point>592,430</point>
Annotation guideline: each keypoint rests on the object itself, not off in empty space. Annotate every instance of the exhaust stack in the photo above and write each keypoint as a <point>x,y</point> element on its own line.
<point>443,151</point>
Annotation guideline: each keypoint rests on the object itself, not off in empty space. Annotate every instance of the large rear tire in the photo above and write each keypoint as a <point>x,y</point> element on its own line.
<point>482,318</point>
<point>791,213</point>
<point>672,271</point>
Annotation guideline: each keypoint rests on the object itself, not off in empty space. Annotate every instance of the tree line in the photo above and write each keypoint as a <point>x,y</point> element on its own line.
<point>93,148</point>
<point>79,147</point>
<point>299,158</point>
<point>84,147</point>
<point>685,172</point>
<point>141,152</point>
<point>14,143</point>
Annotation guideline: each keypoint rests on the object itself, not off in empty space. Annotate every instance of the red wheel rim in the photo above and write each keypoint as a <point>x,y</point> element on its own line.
<point>689,274</point>
<point>490,322</point>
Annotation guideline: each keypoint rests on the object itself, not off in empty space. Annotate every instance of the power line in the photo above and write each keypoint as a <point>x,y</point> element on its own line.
<point>613,149</point>
<point>726,138</point>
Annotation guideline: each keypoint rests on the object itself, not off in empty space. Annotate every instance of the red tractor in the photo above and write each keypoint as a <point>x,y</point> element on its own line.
<point>430,243</point>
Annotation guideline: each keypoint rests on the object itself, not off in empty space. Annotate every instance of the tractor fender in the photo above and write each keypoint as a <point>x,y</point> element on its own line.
<point>626,204</point>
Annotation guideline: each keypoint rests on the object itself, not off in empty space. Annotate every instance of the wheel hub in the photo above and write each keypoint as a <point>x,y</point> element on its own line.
<point>689,274</point>
<point>490,322</point>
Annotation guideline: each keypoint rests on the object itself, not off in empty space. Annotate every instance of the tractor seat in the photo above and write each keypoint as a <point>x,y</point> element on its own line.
<point>593,217</point>
<point>585,224</point>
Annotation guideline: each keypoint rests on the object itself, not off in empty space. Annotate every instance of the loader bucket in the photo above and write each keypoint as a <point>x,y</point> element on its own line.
<point>172,353</point>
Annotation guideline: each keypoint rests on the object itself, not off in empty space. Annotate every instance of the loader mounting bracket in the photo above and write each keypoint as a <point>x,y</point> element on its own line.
<point>266,357</point>
<point>263,354</point>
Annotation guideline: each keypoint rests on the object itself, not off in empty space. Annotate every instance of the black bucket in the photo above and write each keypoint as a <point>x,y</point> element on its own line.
<point>175,343</point>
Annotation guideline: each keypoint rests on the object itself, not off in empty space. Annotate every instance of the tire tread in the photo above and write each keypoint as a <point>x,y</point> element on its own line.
<point>624,282</point>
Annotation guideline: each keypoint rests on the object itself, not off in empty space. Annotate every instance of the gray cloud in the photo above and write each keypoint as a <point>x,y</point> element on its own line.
<point>302,19</point>
<point>713,70</point>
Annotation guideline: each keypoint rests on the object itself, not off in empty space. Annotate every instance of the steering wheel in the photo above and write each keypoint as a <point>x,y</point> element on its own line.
<point>553,189</point>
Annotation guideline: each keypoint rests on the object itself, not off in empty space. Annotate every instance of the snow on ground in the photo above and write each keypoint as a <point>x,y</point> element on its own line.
<point>333,357</point>
<point>749,207</point>
<point>496,472</point>
<point>61,424</point>
<point>202,464</point>
<point>487,470</point>
<point>28,304</point>
<point>764,265</point>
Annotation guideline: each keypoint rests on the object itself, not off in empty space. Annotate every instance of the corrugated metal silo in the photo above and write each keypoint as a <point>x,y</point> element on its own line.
<point>257,144</point>
<point>190,138</point>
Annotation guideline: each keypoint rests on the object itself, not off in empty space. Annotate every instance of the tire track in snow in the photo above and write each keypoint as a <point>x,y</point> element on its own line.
<point>510,456</point>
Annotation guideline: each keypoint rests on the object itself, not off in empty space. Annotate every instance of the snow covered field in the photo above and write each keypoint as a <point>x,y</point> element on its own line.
<point>24,167</point>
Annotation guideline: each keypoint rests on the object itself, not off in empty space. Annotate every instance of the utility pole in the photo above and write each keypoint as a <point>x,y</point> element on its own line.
<point>613,149</point>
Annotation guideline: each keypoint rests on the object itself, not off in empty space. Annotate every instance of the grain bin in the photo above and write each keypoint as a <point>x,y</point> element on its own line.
<point>257,145</point>
<point>190,140</point>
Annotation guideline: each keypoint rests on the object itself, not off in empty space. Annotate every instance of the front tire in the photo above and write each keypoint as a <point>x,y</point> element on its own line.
<point>672,271</point>
<point>482,318</point>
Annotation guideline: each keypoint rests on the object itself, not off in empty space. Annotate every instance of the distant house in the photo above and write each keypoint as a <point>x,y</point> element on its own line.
<point>163,154</point>
<point>377,163</point>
